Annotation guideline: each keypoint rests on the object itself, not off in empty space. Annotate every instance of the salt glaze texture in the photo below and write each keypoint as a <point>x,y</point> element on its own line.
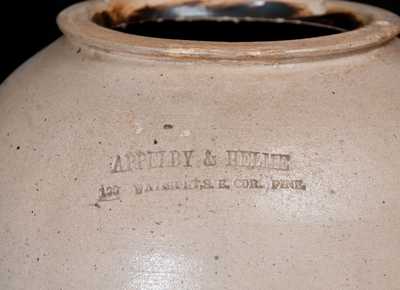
<point>131,162</point>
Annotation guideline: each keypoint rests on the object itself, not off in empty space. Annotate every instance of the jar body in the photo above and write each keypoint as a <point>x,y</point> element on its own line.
<point>132,173</point>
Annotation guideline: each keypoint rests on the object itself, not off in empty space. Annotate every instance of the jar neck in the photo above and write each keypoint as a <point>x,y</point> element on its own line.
<point>378,27</point>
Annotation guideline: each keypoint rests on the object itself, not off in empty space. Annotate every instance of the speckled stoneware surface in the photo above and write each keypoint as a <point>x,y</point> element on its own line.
<point>130,162</point>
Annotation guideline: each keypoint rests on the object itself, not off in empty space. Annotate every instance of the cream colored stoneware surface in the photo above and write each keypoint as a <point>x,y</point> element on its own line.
<point>208,218</point>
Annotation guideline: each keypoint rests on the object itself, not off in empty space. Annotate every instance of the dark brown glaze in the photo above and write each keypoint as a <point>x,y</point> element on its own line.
<point>229,23</point>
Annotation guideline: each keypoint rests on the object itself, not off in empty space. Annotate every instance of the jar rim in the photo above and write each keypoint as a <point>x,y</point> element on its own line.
<point>78,25</point>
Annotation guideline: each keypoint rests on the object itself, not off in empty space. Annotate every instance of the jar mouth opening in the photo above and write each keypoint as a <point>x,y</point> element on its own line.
<point>237,31</point>
<point>228,22</point>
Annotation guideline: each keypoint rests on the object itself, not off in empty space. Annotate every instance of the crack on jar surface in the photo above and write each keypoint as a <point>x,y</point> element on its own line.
<point>234,22</point>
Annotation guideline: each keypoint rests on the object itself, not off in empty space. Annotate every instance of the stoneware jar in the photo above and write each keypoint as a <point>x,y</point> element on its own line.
<point>189,145</point>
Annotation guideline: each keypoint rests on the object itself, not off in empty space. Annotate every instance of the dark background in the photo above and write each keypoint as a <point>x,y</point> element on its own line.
<point>28,26</point>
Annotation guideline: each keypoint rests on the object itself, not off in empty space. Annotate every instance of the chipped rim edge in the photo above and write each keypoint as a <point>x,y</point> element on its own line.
<point>77,24</point>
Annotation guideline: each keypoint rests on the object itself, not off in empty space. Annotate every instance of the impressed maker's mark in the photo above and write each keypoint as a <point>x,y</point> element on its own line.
<point>145,160</point>
<point>260,171</point>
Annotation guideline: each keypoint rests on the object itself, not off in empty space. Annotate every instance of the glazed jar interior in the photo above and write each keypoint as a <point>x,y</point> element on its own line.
<point>234,22</point>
